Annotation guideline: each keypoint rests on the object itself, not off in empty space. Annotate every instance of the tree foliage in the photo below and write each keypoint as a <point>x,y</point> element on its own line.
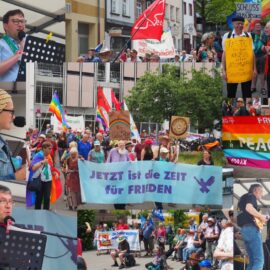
<point>215,11</point>
<point>180,218</point>
<point>86,216</point>
<point>157,97</point>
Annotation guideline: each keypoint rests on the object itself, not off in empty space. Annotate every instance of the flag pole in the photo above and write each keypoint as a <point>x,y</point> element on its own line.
<point>125,45</point>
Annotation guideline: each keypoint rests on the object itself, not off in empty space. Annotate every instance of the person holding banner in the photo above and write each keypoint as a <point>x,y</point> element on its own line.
<point>238,59</point>
<point>122,251</point>
<point>266,49</point>
<point>12,45</point>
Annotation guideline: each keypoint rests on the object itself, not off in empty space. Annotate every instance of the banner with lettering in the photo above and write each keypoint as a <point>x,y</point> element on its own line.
<point>60,253</point>
<point>246,140</point>
<point>239,59</point>
<point>163,48</point>
<point>155,181</point>
<point>75,122</point>
<point>109,240</point>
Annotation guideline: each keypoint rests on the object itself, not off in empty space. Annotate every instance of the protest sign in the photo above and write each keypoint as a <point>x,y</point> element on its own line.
<point>164,48</point>
<point>156,181</point>
<point>179,127</point>
<point>119,125</point>
<point>75,122</point>
<point>246,140</point>
<point>239,59</point>
<point>249,10</point>
<point>108,240</point>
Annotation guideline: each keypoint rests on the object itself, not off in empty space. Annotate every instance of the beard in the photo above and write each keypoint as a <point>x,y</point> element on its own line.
<point>122,151</point>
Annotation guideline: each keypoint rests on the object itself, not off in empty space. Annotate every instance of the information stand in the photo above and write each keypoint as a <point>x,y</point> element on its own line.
<point>38,50</point>
<point>21,250</point>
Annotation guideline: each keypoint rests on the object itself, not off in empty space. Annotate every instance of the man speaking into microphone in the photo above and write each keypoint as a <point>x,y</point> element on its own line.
<point>12,45</point>
<point>6,204</point>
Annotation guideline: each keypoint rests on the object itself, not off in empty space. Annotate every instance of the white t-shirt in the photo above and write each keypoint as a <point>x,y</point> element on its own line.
<point>234,35</point>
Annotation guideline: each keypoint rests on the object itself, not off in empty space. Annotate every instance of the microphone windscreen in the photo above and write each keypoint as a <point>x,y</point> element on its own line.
<point>8,218</point>
<point>19,121</point>
<point>21,35</point>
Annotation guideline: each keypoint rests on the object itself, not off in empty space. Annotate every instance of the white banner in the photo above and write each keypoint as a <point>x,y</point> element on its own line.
<point>164,49</point>
<point>108,240</point>
<point>75,122</point>
<point>249,10</point>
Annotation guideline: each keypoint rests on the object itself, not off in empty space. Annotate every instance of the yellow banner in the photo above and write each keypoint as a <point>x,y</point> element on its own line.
<point>239,59</point>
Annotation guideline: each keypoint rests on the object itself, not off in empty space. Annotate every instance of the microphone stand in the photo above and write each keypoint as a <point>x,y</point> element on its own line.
<point>11,136</point>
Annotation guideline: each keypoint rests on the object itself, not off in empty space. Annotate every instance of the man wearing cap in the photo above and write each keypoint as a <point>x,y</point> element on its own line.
<point>211,236</point>
<point>7,170</point>
<point>238,24</point>
<point>11,47</point>
<point>241,109</point>
<point>96,155</point>
<point>122,250</point>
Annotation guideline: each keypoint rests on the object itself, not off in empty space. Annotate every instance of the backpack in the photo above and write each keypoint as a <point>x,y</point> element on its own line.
<point>130,260</point>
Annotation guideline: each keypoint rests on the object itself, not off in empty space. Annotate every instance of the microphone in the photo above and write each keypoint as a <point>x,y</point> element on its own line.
<point>21,35</point>
<point>19,121</point>
<point>8,221</point>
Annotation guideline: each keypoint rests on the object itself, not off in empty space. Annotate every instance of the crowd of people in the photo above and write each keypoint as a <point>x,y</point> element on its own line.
<point>242,107</point>
<point>209,50</point>
<point>208,244</point>
<point>52,152</point>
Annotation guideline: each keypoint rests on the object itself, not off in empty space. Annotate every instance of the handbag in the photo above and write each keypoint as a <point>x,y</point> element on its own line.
<point>35,184</point>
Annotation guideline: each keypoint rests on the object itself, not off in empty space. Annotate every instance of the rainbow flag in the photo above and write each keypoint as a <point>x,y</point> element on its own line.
<point>56,108</point>
<point>246,140</point>
<point>101,118</point>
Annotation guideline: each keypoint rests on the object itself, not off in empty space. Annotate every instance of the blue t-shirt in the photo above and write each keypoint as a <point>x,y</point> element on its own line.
<point>148,231</point>
<point>6,53</point>
<point>84,149</point>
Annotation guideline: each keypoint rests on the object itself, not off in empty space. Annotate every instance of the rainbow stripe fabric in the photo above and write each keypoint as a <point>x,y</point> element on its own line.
<point>246,140</point>
<point>100,117</point>
<point>56,108</point>
<point>265,8</point>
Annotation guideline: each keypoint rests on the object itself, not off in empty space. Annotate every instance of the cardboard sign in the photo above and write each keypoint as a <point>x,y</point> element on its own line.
<point>179,127</point>
<point>249,10</point>
<point>119,125</point>
<point>239,59</point>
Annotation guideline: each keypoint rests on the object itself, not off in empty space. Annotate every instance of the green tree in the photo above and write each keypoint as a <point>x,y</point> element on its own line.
<point>214,11</point>
<point>180,218</point>
<point>157,97</point>
<point>82,217</point>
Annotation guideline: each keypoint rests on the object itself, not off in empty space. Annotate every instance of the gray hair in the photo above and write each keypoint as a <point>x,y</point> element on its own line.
<point>206,36</point>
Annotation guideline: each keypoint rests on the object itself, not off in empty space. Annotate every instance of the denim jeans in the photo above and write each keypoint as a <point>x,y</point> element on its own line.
<point>253,242</point>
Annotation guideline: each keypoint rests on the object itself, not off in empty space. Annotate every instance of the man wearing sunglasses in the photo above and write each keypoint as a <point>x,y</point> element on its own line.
<point>11,45</point>
<point>6,118</point>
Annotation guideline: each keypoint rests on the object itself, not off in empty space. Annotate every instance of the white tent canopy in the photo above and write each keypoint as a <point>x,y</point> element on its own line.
<point>42,17</point>
<point>241,186</point>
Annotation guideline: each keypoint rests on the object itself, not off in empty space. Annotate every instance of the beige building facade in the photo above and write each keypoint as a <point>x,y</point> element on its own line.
<point>85,24</point>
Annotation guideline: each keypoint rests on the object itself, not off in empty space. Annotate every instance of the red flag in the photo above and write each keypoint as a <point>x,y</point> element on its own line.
<point>150,22</point>
<point>102,101</point>
<point>115,101</point>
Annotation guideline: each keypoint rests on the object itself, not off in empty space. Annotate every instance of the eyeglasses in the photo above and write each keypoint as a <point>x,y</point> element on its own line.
<point>10,111</point>
<point>16,22</point>
<point>6,202</point>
